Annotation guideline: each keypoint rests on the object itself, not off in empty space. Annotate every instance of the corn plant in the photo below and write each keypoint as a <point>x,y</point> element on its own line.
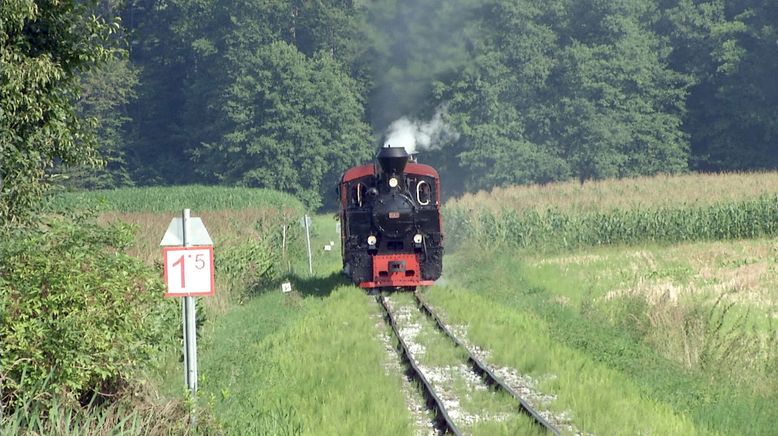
<point>555,228</point>
<point>175,198</point>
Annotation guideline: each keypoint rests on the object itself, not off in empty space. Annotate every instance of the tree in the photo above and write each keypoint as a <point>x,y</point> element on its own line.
<point>187,49</point>
<point>621,109</point>
<point>43,47</point>
<point>294,124</point>
<point>162,57</point>
<point>567,88</point>
<point>494,147</point>
<point>105,93</point>
<point>729,49</point>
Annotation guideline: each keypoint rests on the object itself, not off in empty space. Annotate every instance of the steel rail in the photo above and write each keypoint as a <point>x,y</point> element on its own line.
<point>483,370</point>
<point>443,422</point>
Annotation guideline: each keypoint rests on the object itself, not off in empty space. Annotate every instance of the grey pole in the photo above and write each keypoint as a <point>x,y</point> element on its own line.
<point>190,333</point>
<point>308,239</point>
<point>184,306</point>
<point>186,353</point>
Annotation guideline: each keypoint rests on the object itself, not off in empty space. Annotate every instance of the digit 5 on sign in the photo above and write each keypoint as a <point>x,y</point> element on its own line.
<point>188,271</point>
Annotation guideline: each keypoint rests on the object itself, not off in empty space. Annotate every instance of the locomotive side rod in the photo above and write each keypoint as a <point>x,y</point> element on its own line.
<point>483,370</point>
<point>443,422</point>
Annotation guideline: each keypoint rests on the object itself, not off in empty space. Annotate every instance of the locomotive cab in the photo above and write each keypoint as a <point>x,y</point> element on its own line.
<point>390,222</point>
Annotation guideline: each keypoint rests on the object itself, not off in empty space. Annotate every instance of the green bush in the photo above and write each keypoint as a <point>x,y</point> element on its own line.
<point>246,267</point>
<point>77,315</point>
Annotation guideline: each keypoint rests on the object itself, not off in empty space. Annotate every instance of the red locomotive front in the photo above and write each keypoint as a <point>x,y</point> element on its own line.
<point>390,222</point>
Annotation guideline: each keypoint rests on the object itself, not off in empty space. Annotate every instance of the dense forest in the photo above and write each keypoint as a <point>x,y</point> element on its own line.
<point>285,94</point>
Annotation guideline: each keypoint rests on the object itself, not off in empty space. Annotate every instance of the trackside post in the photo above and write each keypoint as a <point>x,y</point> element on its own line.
<point>190,334</point>
<point>188,268</point>
<point>308,240</point>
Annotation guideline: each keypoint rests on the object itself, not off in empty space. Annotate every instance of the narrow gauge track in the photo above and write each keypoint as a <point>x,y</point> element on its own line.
<point>483,371</point>
<point>443,421</point>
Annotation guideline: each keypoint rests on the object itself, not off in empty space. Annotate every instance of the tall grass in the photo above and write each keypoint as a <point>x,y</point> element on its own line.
<point>662,191</point>
<point>717,338</point>
<point>252,245</point>
<point>706,359</point>
<point>322,374</point>
<point>556,228</point>
<point>176,198</point>
<point>598,399</point>
<point>137,416</point>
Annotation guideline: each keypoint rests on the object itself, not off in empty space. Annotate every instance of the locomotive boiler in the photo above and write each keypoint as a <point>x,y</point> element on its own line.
<point>391,229</point>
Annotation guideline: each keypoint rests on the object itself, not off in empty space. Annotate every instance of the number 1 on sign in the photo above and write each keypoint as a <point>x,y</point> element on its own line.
<point>183,270</point>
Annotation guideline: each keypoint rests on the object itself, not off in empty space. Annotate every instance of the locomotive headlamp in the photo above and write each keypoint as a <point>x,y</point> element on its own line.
<point>393,182</point>
<point>417,238</point>
<point>371,240</point>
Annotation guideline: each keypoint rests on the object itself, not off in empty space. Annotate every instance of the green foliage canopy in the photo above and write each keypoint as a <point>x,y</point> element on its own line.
<point>563,89</point>
<point>105,92</point>
<point>538,90</point>
<point>43,45</point>
<point>295,124</point>
<point>730,48</point>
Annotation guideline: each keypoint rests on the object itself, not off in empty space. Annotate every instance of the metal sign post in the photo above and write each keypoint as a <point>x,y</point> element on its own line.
<point>188,265</point>
<point>190,332</point>
<point>308,239</point>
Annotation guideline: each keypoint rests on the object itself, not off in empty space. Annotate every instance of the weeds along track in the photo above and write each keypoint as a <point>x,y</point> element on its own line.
<point>458,394</point>
<point>483,370</point>
<point>443,422</point>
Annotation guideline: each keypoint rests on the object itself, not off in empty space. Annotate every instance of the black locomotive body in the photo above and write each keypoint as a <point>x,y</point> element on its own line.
<point>391,228</point>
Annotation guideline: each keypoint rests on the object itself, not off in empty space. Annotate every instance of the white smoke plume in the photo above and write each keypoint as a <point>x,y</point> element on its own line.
<point>415,135</point>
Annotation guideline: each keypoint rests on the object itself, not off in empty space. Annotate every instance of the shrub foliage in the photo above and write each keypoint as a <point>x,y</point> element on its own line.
<point>77,315</point>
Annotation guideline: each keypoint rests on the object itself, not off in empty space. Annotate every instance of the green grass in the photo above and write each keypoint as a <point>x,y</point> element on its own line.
<point>711,403</point>
<point>600,400</point>
<point>441,353</point>
<point>323,231</point>
<point>261,311</point>
<point>320,373</point>
<point>709,306</point>
<point>304,363</point>
<point>176,198</point>
<point>65,420</point>
<point>742,271</point>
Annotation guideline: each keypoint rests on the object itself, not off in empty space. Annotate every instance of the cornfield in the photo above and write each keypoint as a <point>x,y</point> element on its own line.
<point>555,228</point>
<point>661,191</point>
<point>176,198</point>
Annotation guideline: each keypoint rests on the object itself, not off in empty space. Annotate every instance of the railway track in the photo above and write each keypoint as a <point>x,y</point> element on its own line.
<point>443,422</point>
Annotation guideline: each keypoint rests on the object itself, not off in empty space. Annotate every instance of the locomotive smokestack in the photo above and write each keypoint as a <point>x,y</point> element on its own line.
<point>392,159</point>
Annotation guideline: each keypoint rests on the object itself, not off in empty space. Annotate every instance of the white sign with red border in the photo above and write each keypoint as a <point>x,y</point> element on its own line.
<point>188,271</point>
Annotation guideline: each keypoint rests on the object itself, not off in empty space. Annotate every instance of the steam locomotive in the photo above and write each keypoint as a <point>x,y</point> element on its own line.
<point>391,229</point>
